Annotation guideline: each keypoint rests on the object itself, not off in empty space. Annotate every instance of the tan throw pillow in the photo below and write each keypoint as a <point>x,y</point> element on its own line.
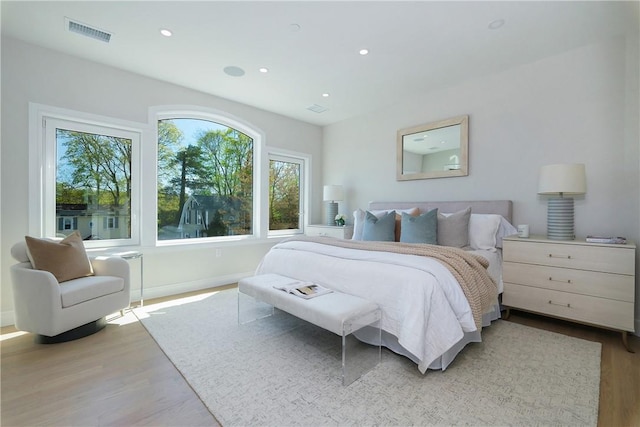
<point>66,259</point>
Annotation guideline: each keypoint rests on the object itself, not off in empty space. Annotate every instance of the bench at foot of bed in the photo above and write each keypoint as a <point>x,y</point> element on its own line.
<point>339,313</point>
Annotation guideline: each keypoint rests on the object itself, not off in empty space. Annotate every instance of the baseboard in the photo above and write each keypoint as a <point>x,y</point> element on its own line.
<point>182,287</point>
<point>7,318</point>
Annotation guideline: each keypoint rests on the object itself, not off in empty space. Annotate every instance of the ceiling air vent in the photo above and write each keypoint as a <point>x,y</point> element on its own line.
<point>85,30</point>
<point>317,108</point>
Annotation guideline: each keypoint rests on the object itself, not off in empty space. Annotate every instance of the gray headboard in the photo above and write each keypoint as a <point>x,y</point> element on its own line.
<point>501,207</point>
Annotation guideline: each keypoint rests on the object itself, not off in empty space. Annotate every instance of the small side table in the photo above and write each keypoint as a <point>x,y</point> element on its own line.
<point>341,232</point>
<point>134,255</point>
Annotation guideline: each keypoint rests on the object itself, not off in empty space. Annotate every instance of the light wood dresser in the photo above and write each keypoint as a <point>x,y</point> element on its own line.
<point>341,232</point>
<point>590,283</point>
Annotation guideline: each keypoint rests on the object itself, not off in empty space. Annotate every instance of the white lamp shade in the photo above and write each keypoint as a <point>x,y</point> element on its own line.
<point>332,193</point>
<point>565,179</point>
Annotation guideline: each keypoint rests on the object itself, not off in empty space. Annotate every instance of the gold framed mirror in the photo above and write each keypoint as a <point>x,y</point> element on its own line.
<point>434,150</point>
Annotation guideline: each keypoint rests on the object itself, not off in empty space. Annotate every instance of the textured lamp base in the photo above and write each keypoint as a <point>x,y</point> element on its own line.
<point>560,219</point>
<point>332,211</point>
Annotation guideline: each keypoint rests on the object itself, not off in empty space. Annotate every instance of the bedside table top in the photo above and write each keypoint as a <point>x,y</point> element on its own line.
<point>537,238</point>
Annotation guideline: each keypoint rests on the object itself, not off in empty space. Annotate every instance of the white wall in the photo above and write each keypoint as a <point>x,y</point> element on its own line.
<point>580,106</point>
<point>33,74</point>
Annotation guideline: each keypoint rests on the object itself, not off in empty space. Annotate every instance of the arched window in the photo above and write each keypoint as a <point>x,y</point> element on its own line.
<point>205,179</point>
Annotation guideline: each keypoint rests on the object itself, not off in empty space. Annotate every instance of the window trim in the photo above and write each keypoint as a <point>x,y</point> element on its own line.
<point>42,168</point>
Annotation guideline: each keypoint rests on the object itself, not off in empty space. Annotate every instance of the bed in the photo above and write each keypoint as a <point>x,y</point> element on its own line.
<point>429,308</point>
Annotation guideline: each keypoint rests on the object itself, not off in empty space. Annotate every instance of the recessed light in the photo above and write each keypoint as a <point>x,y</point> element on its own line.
<point>166,32</point>
<point>325,95</point>
<point>233,71</point>
<point>364,51</point>
<point>264,70</point>
<point>494,25</point>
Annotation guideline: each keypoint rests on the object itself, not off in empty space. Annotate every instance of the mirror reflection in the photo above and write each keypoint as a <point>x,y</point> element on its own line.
<point>433,150</point>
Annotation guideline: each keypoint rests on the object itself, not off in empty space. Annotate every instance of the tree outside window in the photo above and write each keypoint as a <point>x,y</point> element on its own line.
<point>205,180</point>
<point>93,184</point>
<point>284,194</point>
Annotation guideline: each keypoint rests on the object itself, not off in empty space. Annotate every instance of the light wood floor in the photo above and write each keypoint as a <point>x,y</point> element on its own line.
<point>119,376</point>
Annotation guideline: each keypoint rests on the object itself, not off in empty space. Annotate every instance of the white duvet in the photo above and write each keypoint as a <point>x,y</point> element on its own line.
<point>422,303</point>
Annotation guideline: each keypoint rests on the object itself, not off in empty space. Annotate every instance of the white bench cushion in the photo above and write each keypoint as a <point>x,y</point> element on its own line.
<point>328,311</point>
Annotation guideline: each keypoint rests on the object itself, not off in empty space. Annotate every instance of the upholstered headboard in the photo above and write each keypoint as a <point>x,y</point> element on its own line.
<point>500,207</point>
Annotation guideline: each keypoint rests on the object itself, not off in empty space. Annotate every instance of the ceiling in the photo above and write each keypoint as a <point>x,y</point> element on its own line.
<point>311,48</point>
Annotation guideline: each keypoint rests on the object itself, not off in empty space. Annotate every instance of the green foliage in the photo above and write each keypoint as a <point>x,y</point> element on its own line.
<point>98,166</point>
<point>284,195</point>
<point>169,143</point>
<point>190,173</point>
<point>217,227</point>
<point>67,194</point>
<point>168,205</point>
<point>219,163</point>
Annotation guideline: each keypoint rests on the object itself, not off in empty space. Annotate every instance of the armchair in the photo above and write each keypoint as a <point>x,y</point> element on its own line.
<point>59,312</point>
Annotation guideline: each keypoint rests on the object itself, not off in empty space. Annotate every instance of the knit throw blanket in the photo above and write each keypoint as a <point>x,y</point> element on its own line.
<point>470,270</point>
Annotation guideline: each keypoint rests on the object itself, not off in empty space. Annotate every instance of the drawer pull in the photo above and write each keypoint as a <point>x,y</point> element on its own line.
<point>562,305</point>
<point>559,256</point>
<point>561,281</point>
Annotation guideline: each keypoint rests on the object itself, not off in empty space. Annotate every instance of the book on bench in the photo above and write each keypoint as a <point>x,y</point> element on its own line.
<point>304,290</point>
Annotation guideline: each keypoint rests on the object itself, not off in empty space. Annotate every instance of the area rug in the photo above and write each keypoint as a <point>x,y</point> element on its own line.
<point>280,371</point>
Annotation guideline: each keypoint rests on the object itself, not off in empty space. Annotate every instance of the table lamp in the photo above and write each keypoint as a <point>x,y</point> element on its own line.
<point>561,180</point>
<point>331,194</point>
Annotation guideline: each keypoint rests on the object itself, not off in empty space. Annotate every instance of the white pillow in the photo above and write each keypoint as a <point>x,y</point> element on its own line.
<point>505,229</point>
<point>483,230</point>
<point>359,215</point>
<point>358,224</point>
<point>487,230</point>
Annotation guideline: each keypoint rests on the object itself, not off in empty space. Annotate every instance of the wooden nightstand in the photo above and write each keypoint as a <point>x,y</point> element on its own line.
<point>344,232</point>
<point>590,283</point>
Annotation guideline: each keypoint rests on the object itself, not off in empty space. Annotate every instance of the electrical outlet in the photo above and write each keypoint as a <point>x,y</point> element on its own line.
<point>218,253</point>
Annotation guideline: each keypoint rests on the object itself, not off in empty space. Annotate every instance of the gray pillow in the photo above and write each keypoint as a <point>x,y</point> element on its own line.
<point>420,229</point>
<point>453,230</point>
<point>379,229</point>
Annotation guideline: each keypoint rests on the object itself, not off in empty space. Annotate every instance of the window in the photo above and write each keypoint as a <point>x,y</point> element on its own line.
<point>110,222</point>
<point>285,193</point>
<point>88,184</point>
<point>67,223</point>
<point>215,180</point>
<point>205,180</point>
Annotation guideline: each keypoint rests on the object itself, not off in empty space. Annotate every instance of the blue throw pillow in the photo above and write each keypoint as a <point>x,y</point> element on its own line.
<point>420,229</point>
<point>379,229</point>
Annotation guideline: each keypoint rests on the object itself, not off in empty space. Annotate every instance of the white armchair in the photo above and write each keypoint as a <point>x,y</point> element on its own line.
<point>59,312</point>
